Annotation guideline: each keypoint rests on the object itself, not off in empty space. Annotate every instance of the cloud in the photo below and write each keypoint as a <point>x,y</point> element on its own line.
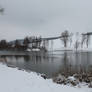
<point>44,17</point>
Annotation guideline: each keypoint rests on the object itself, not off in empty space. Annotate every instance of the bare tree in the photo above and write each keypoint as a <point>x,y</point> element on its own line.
<point>3,44</point>
<point>17,44</point>
<point>88,40</point>
<point>70,38</point>
<point>65,37</point>
<point>26,41</point>
<point>77,43</point>
<point>83,40</point>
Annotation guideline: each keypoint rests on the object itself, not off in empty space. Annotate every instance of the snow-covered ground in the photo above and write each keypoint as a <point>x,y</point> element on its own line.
<point>14,80</point>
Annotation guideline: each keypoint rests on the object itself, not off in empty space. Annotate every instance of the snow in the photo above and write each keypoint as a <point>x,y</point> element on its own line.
<point>14,80</point>
<point>33,50</point>
<point>84,49</point>
<point>28,49</point>
<point>71,78</point>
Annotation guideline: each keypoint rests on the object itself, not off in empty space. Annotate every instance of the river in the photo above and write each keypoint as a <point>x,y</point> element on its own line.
<point>52,63</point>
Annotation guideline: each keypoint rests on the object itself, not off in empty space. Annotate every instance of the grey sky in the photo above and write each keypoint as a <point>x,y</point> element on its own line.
<point>44,17</point>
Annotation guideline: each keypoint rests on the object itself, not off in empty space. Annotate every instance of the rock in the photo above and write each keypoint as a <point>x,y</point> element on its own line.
<point>43,76</point>
<point>90,78</point>
<point>76,76</point>
<point>73,81</point>
<point>87,80</point>
<point>90,85</point>
<point>60,79</point>
<point>84,76</point>
<point>80,79</point>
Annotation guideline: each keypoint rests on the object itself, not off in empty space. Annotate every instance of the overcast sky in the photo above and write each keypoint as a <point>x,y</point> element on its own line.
<point>44,17</point>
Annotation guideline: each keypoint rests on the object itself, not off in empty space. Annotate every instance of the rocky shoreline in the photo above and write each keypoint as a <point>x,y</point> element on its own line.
<point>74,80</point>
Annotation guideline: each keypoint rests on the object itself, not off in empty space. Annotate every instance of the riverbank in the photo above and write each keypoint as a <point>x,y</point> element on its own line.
<point>14,80</point>
<point>21,53</point>
<point>85,49</point>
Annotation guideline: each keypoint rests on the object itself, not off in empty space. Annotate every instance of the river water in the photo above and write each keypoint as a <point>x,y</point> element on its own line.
<point>52,63</point>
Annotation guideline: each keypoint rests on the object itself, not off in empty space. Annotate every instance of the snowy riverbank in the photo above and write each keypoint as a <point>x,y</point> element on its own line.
<point>13,80</point>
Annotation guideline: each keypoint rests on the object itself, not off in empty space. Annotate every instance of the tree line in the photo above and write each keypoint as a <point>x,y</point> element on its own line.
<point>35,42</point>
<point>79,41</point>
<point>21,44</point>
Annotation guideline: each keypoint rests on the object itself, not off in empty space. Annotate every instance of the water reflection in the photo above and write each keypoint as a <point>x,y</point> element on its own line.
<point>66,63</point>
